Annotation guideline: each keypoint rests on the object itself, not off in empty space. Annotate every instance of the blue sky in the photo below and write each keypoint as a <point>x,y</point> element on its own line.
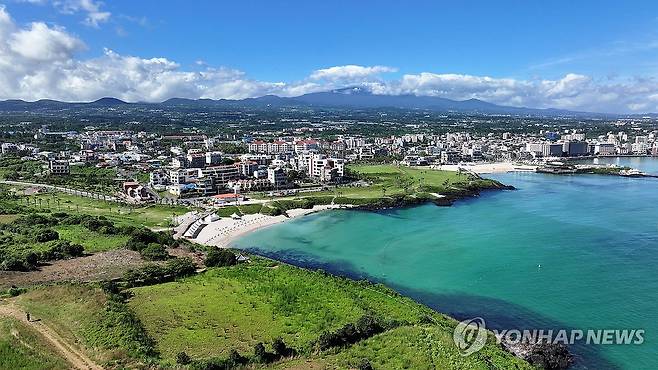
<point>584,48</point>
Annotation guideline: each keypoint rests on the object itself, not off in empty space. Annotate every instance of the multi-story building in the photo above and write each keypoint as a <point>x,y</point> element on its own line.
<point>221,174</point>
<point>305,146</point>
<point>59,167</point>
<point>277,177</point>
<point>213,158</point>
<point>196,160</point>
<point>605,149</point>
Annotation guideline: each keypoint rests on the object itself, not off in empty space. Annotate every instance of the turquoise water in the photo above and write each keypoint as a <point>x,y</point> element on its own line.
<point>595,237</point>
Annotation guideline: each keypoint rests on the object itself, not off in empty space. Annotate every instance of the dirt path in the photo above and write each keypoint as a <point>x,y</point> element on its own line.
<point>76,358</point>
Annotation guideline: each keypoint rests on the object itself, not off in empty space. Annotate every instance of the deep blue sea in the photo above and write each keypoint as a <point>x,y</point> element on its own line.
<point>578,251</point>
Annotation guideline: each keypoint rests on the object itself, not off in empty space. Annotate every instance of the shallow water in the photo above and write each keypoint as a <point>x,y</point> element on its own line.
<point>595,238</point>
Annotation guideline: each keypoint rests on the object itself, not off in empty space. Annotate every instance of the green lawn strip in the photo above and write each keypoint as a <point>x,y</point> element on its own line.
<point>92,241</point>
<point>147,216</point>
<point>22,348</point>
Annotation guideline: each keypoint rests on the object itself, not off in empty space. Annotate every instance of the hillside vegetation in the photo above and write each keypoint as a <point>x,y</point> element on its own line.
<point>260,314</point>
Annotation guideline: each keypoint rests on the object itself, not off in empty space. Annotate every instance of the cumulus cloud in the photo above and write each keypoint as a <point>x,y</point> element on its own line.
<point>350,73</point>
<point>39,61</point>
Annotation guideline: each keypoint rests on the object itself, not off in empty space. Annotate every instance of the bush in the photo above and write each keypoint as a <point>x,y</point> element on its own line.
<point>46,235</point>
<point>281,349</point>
<point>365,327</point>
<point>217,257</point>
<point>62,249</point>
<point>153,274</point>
<point>180,267</point>
<point>260,354</point>
<point>365,365</point>
<point>183,358</point>
<point>154,252</point>
<point>236,359</point>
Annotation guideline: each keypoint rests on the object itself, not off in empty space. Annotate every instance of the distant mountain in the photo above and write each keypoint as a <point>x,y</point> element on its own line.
<point>108,102</point>
<point>352,97</point>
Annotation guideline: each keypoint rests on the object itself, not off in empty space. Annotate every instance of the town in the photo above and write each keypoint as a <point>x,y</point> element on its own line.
<point>283,162</point>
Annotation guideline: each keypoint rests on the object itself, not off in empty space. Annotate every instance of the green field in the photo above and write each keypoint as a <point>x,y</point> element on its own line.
<point>234,308</point>
<point>148,216</point>
<point>387,180</point>
<point>22,348</point>
<point>91,240</point>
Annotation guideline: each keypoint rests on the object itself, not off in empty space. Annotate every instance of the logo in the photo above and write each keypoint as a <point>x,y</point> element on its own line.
<point>470,335</point>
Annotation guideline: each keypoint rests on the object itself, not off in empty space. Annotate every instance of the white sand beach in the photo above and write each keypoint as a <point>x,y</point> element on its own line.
<point>223,231</point>
<point>482,168</point>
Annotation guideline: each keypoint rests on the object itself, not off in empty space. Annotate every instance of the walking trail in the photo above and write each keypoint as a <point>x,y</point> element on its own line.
<point>76,358</point>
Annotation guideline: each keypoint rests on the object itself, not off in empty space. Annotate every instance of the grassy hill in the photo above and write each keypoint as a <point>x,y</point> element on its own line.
<point>22,348</point>
<point>233,309</point>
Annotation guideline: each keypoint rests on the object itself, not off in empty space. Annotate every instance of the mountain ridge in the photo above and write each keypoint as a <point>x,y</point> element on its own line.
<point>350,97</point>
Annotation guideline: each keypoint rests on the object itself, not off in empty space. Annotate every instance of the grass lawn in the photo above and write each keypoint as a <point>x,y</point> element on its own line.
<point>91,240</point>
<point>149,216</point>
<point>22,348</point>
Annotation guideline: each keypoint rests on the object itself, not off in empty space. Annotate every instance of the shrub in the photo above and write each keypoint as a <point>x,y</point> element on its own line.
<point>62,249</point>
<point>365,365</point>
<point>281,349</point>
<point>153,274</point>
<point>180,267</point>
<point>365,327</point>
<point>236,359</point>
<point>46,235</point>
<point>217,257</point>
<point>183,358</point>
<point>260,354</point>
<point>154,252</point>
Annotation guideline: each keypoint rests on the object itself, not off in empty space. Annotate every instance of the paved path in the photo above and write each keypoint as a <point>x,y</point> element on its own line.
<point>74,356</point>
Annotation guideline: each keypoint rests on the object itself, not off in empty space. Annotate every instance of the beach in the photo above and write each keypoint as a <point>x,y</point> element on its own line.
<point>483,168</point>
<point>222,232</point>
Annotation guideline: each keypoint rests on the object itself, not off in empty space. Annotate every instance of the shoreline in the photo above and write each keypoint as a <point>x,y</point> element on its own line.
<point>221,233</point>
<point>485,168</point>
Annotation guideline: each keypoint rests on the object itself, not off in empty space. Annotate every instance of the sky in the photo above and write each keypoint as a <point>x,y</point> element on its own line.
<point>599,56</point>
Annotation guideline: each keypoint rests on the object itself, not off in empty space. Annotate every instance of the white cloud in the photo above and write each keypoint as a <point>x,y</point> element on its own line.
<point>42,43</point>
<point>39,61</point>
<point>94,15</point>
<point>350,73</point>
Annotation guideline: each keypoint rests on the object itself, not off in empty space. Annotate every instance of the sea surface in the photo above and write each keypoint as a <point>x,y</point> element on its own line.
<point>572,252</point>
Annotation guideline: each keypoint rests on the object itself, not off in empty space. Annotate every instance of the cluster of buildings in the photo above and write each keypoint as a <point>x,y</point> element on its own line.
<point>190,165</point>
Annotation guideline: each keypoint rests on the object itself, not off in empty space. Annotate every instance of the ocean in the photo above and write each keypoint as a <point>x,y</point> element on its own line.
<point>560,252</point>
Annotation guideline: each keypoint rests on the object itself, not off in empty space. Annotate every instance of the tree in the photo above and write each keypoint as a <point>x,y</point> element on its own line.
<point>155,252</point>
<point>217,257</point>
